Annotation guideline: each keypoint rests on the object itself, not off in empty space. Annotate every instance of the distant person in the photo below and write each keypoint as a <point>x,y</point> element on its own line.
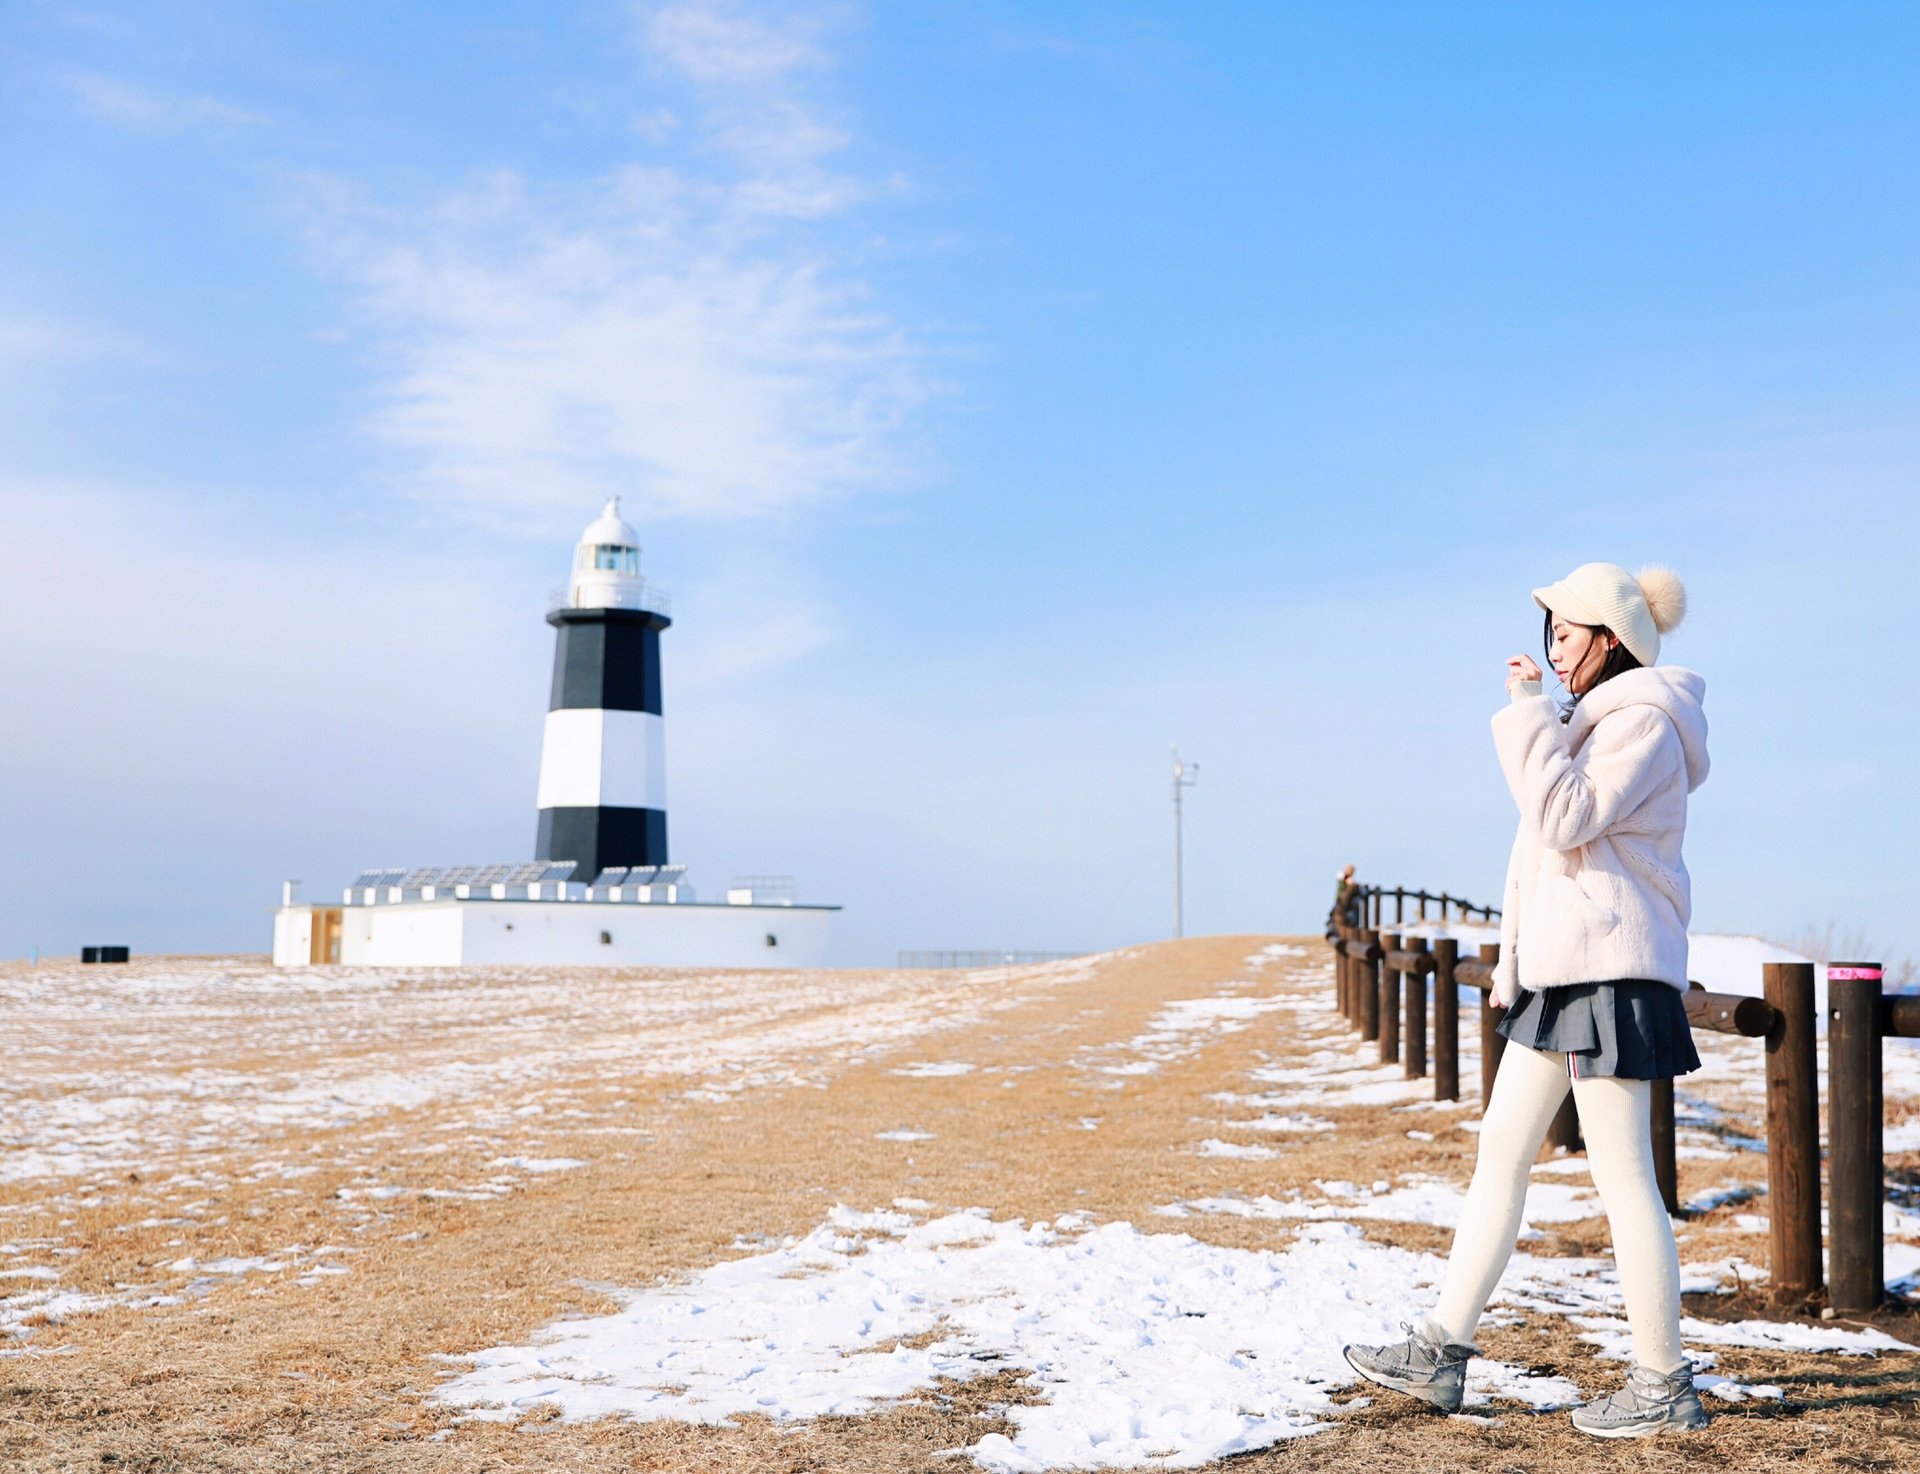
<point>1342,891</point>
<point>1593,966</point>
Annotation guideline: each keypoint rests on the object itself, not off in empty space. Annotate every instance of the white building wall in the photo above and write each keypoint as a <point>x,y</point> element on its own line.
<point>567,933</point>
<point>417,934</point>
<point>356,934</point>
<point>292,936</point>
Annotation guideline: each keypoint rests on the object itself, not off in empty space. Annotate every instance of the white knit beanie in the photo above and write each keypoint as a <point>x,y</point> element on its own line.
<point>1637,609</point>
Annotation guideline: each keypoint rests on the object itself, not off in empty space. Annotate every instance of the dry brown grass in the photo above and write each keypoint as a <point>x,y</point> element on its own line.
<point>260,1373</point>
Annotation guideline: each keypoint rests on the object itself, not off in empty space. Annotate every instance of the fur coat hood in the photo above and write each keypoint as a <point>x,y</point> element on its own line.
<point>1596,888</point>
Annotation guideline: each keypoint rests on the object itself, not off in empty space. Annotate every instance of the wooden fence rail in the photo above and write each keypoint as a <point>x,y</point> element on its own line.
<point>1380,985</point>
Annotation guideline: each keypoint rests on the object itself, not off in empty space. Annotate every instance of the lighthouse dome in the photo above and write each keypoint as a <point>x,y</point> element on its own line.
<point>610,528</point>
<point>606,566</point>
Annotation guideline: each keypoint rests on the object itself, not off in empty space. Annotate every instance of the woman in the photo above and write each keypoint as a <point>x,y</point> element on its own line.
<point>1593,965</point>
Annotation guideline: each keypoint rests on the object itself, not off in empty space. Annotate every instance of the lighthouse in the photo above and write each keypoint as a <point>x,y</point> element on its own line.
<point>601,890</point>
<point>603,758</point>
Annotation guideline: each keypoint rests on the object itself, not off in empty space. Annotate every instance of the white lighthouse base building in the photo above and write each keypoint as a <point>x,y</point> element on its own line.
<point>555,924</point>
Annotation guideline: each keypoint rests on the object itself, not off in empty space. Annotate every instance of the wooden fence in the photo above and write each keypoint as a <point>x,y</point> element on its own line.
<point>1371,958</point>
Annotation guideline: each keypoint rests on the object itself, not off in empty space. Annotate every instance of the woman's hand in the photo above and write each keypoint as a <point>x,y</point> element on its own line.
<point>1521,668</point>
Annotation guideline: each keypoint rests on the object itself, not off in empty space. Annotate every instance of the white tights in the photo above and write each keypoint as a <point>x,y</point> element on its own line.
<point>1614,1121</point>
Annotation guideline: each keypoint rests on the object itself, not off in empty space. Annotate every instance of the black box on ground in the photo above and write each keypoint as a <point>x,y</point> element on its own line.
<point>103,954</point>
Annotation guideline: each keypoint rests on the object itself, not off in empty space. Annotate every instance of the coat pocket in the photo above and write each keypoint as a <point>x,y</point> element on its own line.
<point>1565,932</point>
<point>1572,910</point>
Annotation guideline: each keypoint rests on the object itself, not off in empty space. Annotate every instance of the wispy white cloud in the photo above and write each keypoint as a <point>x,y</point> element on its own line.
<point>684,330</point>
<point>122,102</point>
<point>729,44</point>
<point>31,342</point>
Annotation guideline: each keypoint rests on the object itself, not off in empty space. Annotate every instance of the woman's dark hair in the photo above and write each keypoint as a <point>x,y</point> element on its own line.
<point>1619,659</point>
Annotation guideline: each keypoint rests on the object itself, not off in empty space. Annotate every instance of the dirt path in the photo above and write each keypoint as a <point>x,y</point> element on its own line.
<point>276,1202</point>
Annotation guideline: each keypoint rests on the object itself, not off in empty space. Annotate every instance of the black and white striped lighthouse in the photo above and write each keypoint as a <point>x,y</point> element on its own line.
<point>603,760</point>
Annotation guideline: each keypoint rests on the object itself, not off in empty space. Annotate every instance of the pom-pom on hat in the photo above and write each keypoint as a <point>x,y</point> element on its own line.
<point>1637,609</point>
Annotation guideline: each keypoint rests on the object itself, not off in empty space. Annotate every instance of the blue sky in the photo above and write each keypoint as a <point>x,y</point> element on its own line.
<point>1003,392</point>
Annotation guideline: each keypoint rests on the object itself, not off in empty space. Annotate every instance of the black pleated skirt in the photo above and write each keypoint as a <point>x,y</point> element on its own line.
<point>1633,1029</point>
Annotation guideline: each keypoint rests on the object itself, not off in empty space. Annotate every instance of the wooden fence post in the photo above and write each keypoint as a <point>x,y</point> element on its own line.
<point>1389,1001</point>
<point>1492,1041</point>
<point>1666,1164</point>
<point>1856,1190</point>
<point>1793,1132</point>
<point>1349,970</point>
<point>1366,977</point>
<point>1414,1044</point>
<point>1446,1020</point>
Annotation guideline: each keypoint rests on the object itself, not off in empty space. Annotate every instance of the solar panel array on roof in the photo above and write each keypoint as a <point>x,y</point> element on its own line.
<point>616,876</point>
<point>484,877</point>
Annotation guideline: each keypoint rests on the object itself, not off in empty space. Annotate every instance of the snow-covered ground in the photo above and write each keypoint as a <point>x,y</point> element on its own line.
<point>183,1061</point>
<point>1152,1348</point>
<point>1149,1345</point>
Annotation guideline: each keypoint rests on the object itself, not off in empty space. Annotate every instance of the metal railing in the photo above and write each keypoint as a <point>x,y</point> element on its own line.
<point>647,597</point>
<point>942,960</point>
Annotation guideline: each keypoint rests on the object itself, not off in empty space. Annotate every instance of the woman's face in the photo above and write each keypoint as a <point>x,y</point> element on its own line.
<point>1578,653</point>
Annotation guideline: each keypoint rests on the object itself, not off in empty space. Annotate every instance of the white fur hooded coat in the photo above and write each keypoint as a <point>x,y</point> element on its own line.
<point>1596,889</point>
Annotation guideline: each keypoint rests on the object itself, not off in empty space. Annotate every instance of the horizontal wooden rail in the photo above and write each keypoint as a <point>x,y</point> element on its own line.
<point>1414,964</point>
<point>1364,904</point>
<point>1474,973</point>
<point>1724,1013</point>
<point>1729,1013</point>
<point>1900,1016</point>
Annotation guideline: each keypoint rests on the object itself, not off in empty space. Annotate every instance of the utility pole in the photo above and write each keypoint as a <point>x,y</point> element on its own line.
<point>1185,775</point>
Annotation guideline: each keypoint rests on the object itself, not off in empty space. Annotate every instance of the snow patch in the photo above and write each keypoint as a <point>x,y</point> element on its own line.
<point>1151,1348</point>
<point>1273,1123</point>
<point>1417,1199</point>
<point>1214,1147</point>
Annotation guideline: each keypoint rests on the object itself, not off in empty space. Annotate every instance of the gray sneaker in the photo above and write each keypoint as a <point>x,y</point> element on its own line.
<point>1651,1401</point>
<point>1430,1368</point>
